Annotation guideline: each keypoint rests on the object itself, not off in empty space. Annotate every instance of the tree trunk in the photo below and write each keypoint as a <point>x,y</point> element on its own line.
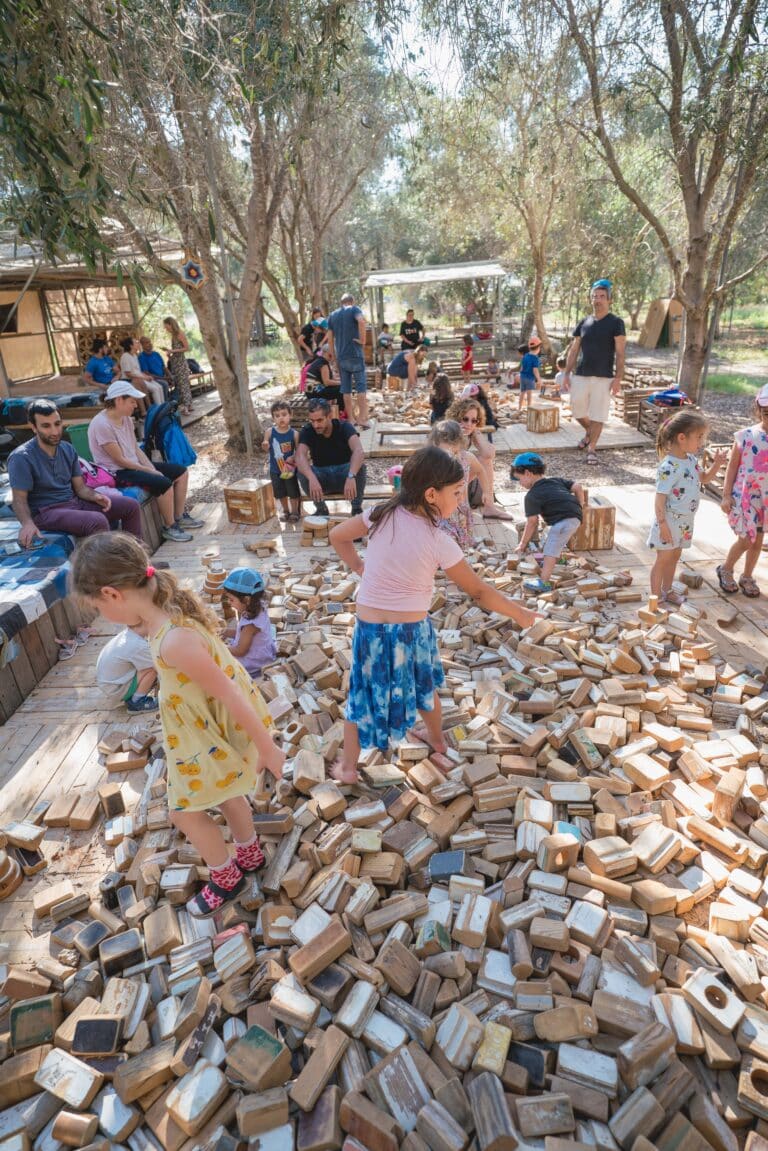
<point>316,271</point>
<point>207,309</point>
<point>634,318</point>
<point>694,353</point>
<point>528,322</point>
<point>538,302</point>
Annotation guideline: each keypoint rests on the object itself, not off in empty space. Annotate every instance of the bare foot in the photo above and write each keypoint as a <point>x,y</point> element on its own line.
<point>420,732</point>
<point>494,512</point>
<point>343,774</point>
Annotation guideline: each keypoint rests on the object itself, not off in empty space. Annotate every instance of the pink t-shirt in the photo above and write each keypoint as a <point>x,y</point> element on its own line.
<point>401,559</point>
<point>102,431</point>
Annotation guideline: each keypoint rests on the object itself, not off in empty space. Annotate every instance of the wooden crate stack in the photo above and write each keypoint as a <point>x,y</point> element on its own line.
<point>650,416</point>
<point>556,931</point>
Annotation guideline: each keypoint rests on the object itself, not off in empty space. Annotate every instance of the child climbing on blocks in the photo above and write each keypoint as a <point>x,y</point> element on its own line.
<point>560,504</point>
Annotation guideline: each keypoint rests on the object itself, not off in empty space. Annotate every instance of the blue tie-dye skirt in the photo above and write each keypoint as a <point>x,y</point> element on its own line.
<point>395,671</point>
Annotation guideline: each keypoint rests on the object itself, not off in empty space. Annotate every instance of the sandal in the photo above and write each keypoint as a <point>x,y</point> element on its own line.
<point>293,518</point>
<point>213,899</point>
<point>672,597</point>
<point>583,443</point>
<point>725,579</point>
<point>749,587</point>
<point>67,647</point>
<point>592,457</point>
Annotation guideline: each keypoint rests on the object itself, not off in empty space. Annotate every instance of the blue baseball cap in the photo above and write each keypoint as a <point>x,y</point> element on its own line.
<point>524,460</point>
<point>603,284</point>
<point>244,581</point>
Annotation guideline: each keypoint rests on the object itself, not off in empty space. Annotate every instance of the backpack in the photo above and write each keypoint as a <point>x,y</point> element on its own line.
<point>163,433</point>
<point>94,475</point>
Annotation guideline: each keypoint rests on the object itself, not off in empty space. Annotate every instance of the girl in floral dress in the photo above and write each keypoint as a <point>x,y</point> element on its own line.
<point>215,722</point>
<point>448,435</point>
<point>745,492</point>
<point>678,490</point>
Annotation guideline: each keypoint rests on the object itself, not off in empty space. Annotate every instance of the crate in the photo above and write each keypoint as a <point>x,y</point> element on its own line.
<point>543,418</point>
<point>627,404</point>
<point>249,501</point>
<point>597,527</point>
<point>651,416</point>
<point>715,486</point>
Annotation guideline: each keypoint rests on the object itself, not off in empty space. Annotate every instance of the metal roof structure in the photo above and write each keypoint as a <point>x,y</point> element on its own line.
<point>437,273</point>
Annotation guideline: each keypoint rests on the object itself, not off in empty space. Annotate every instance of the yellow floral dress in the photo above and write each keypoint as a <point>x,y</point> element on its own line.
<point>210,757</point>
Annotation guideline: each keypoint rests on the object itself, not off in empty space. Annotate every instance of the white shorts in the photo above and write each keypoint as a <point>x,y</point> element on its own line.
<point>591,398</point>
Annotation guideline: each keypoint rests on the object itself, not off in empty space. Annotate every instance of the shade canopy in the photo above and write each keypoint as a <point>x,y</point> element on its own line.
<point>437,273</point>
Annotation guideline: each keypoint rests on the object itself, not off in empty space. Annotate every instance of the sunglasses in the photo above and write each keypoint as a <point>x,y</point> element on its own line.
<point>468,420</point>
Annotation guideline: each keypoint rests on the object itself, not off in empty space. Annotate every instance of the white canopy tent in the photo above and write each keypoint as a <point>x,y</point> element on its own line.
<point>382,278</point>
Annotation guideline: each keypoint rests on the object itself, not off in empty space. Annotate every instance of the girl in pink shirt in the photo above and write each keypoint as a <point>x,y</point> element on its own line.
<point>396,670</point>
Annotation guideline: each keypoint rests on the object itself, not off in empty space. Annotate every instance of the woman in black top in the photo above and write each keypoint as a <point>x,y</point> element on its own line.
<point>320,384</point>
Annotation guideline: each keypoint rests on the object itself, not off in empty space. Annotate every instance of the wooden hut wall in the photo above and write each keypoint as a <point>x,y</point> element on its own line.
<point>24,345</point>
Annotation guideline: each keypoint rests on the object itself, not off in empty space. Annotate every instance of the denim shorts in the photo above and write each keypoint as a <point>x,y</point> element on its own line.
<point>527,384</point>
<point>395,672</point>
<point>558,536</point>
<point>352,374</point>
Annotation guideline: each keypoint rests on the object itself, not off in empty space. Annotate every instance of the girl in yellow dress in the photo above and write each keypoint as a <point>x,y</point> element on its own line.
<point>215,722</point>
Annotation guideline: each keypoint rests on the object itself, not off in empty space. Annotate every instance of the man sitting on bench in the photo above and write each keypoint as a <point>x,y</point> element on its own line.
<point>330,459</point>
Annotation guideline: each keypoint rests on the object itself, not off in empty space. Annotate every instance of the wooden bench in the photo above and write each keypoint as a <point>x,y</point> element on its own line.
<point>417,430</point>
<point>201,382</point>
<point>374,492</point>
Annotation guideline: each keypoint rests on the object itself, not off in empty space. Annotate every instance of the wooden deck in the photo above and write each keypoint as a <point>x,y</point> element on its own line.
<point>511,438</point>
<point>49,745</point>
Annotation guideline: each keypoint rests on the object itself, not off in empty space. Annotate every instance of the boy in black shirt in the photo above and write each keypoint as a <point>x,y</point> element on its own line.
<point>560,504</point>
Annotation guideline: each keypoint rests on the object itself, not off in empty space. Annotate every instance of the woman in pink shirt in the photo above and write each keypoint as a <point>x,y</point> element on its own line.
<point>396,670</point>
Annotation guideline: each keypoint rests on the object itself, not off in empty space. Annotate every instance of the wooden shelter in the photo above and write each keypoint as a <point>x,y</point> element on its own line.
<point>663,325</point>
<point>51,313</point>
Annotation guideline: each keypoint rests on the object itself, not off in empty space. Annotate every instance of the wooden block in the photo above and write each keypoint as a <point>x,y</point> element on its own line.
<point>314,957</point>
<point>320,1129</point>
<point>396,1085</point>
<point>374,1128</point>
<point>18,1081</point>
<point>126,761</point>
<point>491,1055</point>
<point>60,809</point>
<point>713,1001</point>
<point>588,1067</point>
<point>640,1114</point>
<point>259,1060</point>
<point>263,1112</point>
<point>569,1022</point>
<point>111,799</point>
<point>144,1072</point>
<point>399,966</point>
<point>459,1036</point>
<point>69,1079</point>
<point>45,900</point>
<point>548,1115</point>
<point>644,1056</point>
<point>319,1068</point>
<point>34,1021</point>
<point>161,931</point>
<point>549,934</point>
<point>74,1130</point>
<point>97,1035</point>
<point>193,1100</point>
<point>439,1129</point>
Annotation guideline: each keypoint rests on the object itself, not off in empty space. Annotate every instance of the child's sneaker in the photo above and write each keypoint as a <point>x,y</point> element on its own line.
<point>538,585</point>
<point>224,885</point>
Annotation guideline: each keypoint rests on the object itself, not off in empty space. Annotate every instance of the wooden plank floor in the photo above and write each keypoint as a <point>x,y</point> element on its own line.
<point>49,745</point>
<point>510,438</point>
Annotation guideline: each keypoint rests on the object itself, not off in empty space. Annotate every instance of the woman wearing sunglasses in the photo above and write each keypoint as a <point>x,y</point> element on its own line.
<point>470,414</point>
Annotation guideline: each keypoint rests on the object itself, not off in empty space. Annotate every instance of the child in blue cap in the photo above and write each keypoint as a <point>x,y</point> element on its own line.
<point>253,642</point>
<point>559,502</point>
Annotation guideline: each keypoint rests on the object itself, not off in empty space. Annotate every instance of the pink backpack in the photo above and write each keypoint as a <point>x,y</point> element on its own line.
<point>95,476</point>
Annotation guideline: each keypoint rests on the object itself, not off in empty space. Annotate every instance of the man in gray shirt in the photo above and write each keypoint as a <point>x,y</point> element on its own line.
<point>48,492</point>
<point>346,337</point>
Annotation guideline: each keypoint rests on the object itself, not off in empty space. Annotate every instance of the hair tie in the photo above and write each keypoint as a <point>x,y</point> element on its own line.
<point>150,571</point>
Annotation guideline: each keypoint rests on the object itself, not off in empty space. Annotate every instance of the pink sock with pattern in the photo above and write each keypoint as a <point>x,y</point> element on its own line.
<point>227,876</point>
<point>249,855</point>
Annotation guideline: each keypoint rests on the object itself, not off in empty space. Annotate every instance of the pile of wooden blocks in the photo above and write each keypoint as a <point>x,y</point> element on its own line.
<point>553,936</point>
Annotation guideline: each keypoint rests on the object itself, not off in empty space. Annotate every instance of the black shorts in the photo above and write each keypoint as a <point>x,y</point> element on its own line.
<point>285,488</point>
<point>156,483</point>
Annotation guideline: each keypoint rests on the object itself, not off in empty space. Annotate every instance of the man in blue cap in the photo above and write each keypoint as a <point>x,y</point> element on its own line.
<point>558,502</point>
<point>595,366</point>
